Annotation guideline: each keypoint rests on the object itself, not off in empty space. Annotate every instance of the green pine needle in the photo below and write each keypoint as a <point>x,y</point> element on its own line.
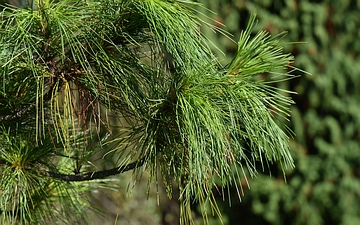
<point>70,64</point>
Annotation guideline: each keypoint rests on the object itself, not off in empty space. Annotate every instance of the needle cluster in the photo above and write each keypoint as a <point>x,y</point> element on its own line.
<point>65,66</point>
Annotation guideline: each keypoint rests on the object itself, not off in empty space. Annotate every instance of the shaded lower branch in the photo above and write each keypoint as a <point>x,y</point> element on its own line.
<point>89,175</point>
<point>17,114</point>
<point>80,177</point>
<point>97,174</point>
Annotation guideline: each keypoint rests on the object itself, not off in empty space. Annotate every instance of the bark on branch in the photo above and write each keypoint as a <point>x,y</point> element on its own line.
<point>97,174</point>
<point>102,174</point>
<point>17,114</point>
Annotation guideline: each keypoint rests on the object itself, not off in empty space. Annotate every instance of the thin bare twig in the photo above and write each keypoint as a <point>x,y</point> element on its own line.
<point>97,174</point>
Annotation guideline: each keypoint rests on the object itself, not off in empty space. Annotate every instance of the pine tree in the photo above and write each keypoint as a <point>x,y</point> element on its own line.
<point>69,69</point>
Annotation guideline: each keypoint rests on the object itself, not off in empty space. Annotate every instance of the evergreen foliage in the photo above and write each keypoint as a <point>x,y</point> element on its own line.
<point>66,66</point>
<point>324,186</point>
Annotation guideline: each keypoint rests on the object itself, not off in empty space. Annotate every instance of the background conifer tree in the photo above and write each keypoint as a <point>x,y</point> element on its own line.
<point>69,69</point>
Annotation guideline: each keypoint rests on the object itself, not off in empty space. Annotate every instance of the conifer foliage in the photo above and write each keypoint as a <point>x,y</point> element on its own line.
<point>67,66</point>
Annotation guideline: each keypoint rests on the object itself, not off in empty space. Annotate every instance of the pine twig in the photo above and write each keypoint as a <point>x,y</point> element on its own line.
<point>26,109</point>
<point>97,174</point>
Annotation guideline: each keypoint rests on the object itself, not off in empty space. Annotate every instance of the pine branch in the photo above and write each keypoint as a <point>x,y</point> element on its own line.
<point>89,175</point>
<point>98,174</point>
<point>17,114</point>
<point>221,117</point>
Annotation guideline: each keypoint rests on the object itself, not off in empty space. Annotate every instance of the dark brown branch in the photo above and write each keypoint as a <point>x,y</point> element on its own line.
<point>97,174</point>
<point>25,109</point>
<point>17,114</point>
<point>82,177</point>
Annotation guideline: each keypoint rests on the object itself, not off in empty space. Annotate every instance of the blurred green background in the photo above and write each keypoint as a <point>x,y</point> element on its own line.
<point>324,188</point>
